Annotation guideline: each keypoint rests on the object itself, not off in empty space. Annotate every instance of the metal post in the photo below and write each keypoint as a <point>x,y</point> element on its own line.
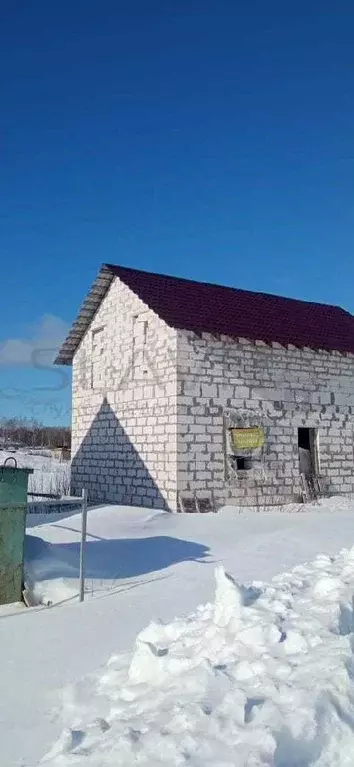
<point>83,543</point>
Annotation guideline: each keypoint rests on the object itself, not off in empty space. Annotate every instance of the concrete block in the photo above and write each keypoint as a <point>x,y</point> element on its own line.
<point>209,391</point>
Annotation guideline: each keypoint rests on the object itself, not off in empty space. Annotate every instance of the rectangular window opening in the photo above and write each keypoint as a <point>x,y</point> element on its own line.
<point>243,463</point>
<point>97,357</point>
<point>139,343</point>
<point>244,447</point>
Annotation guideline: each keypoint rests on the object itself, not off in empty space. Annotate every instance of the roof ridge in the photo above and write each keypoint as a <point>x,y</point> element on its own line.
<point>220,286</point>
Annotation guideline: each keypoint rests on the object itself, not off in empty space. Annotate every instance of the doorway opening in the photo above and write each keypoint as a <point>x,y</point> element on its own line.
<point>308,451</point>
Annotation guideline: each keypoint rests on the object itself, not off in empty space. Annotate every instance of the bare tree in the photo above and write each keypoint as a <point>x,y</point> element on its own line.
<point>31,433</point>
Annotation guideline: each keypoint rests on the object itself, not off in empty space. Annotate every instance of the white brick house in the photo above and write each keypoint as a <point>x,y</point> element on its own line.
<point>184,388</point>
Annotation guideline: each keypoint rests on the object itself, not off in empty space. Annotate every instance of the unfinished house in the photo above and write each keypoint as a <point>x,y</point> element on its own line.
<point>187,396</point>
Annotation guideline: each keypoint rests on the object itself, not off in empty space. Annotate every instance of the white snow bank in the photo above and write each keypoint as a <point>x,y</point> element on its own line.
<point>260,678</point>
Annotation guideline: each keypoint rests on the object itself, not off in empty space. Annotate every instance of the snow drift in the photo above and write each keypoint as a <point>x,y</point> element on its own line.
<point>263,677</point>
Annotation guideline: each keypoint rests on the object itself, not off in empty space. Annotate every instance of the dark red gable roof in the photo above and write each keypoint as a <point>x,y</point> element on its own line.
<point>203,307</point>
<point>214,309</point>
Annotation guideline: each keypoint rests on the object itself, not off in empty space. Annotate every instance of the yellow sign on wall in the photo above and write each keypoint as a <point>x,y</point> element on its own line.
<point>247,439</point>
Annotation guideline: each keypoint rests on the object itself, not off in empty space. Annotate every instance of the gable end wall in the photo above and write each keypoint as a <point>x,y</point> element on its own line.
<point>124,419</point>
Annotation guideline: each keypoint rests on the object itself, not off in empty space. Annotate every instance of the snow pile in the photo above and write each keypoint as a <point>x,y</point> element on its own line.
<point>263,677</point>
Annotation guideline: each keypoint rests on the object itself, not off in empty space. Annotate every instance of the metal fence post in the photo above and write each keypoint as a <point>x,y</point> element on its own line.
<point>83,543</point>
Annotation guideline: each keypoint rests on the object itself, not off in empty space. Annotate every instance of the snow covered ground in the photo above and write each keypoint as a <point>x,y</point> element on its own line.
<point>261,677</point>
<point>127,546</point>
<point>49,476</point>
<point>264,669</point>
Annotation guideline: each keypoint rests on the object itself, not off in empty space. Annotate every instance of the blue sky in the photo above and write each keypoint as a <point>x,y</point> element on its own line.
<point>211,140</point>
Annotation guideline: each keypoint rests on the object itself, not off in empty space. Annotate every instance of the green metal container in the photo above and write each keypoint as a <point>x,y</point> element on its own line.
<point>13,505</point>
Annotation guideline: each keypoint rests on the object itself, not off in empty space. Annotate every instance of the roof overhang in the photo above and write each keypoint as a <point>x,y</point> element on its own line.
<point>85,316</point>
<point>220,311</point>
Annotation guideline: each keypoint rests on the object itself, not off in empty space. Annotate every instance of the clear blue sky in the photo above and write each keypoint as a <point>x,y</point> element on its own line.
<point>211,140</point>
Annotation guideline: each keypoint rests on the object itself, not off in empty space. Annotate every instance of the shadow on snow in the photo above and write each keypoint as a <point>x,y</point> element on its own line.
<point>122,558</point>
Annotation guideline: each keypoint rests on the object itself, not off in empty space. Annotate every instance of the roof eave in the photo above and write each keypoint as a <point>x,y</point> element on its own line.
<point>85,316</point>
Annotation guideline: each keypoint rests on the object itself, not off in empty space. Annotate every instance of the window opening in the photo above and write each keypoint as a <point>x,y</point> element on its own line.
<point>97,362</point>
<point>243,463</point>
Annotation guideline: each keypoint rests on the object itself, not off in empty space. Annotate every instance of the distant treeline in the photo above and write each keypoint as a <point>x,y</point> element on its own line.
<point>31,433</point>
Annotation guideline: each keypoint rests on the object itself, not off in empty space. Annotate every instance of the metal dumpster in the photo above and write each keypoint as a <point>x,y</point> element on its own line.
<point>13,504</point>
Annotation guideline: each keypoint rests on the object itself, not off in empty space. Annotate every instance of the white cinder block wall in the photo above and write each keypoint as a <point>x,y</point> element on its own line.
<point>279,389</point>
<point>124,422</point>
